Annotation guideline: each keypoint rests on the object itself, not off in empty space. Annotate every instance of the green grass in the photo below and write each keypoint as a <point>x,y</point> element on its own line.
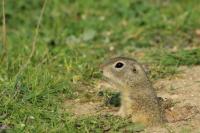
<point>75,37</point>
<point>180,57</point>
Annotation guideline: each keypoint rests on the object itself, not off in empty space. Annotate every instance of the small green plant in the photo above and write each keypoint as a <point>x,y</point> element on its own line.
<point>106,123</point>
<point>111,98</point>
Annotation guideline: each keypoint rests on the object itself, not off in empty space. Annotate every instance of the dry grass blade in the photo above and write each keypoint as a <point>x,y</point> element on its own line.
<point>34,39</point>
<point>4,30</point>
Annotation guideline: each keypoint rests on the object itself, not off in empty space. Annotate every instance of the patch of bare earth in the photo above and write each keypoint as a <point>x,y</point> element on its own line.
<point>88,108</point>
<point>183,89</point>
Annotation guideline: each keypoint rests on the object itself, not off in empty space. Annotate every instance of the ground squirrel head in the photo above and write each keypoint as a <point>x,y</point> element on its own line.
<point>123,71</point>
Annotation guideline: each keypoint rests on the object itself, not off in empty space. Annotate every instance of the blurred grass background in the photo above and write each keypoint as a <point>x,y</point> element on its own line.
<point>74,38</point>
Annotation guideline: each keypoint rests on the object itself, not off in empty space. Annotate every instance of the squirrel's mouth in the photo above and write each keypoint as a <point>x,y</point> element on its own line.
<point>113,83</point>
<point>106,79</point>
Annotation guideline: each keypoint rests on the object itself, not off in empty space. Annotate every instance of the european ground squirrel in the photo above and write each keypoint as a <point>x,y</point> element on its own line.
<point>138,98</point>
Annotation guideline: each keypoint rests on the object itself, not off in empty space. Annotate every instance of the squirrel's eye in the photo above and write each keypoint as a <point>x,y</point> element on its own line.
<point>119,65</point>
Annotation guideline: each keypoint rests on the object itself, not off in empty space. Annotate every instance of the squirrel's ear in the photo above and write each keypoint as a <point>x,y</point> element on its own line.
<point>134,69</point>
